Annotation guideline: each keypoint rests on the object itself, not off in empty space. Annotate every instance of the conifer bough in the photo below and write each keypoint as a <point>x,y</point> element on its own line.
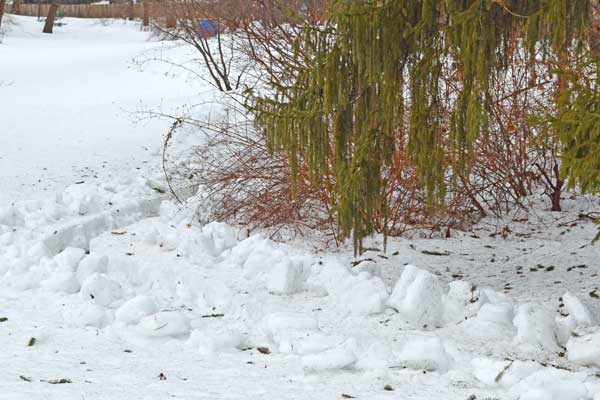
<point>376,67</point>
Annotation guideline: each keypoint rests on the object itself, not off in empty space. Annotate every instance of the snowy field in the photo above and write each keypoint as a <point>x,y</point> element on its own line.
<point>107,291</point>
<point>70,103</point>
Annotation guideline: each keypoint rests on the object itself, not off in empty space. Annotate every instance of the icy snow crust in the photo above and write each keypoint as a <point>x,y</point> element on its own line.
<point>118,285</point>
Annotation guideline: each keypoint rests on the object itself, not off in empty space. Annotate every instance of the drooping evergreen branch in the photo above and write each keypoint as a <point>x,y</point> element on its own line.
<point>377,67</point>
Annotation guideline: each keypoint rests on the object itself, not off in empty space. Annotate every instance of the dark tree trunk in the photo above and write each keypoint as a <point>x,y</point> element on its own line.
<point>49,25</point>
<point>146,6</point>
<point>2,4</point>
<point>556,189</point>
<point>554,185</point>
<point>131,15</point>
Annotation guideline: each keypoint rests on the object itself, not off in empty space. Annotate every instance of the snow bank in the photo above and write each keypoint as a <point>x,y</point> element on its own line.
<point>52,235</point>
<point>166,278</point>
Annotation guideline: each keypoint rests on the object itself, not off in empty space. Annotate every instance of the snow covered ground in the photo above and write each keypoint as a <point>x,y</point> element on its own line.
<point>69,103</point>
<point>107,285</point>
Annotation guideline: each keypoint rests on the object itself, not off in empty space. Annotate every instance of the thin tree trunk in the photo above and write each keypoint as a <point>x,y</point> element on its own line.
<point>16,7</point>
<point>146,5</point>
<point>130,10</point>
<point>553,188</point>
<point>49,25</point>
<point>2,4</point>
<point>556,189</point>
<point>171,17</point>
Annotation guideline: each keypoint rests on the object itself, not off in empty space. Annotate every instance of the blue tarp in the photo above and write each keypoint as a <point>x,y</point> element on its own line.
<point>207,28</point>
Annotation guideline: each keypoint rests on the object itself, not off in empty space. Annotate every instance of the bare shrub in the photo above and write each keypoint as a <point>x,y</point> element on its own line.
<point>239,179</point>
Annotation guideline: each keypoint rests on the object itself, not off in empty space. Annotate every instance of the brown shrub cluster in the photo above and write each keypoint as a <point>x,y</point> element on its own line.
<point>249,184</point>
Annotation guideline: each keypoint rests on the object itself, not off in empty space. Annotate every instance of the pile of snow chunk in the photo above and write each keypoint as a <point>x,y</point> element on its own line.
<point>299,334</point>
<point>222,235</point>
<point>339,357</point>
<point>208,296</point>
<point>376,356</point>
<point>164,324</point>
<point>286,277</point>
<point>425,353</point>
<point>134,309</point>
<point>574,318</point>
<point>357,294</point>
<point>502,373</point>
<point>200,245</point>
<point>578,313</point>
<point>282,329</point>
<point>501,314</point>
<point>536,328</point>
<point>418,298</point>
<point>139,298</point>
<point>101,290</point>
<point>462,301</point>
<point>281,270</point>
<point>33,232</point>
<point>211,342</point>
<point>91,264</point>
<point>422,301</point>
<point>315,342</point>
<point>533,381</point>
<point>585,350</point>
<point>425,303</point>
<point>62,278</point>
<point>53,273</point>
<point>84,314</point>
<point>552,384</point>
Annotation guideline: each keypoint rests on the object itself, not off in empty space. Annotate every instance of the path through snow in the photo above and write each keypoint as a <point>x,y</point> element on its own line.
<point>69,103</point>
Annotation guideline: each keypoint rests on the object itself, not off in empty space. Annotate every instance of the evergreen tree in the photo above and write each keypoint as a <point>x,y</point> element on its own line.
<point>375,61</point>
